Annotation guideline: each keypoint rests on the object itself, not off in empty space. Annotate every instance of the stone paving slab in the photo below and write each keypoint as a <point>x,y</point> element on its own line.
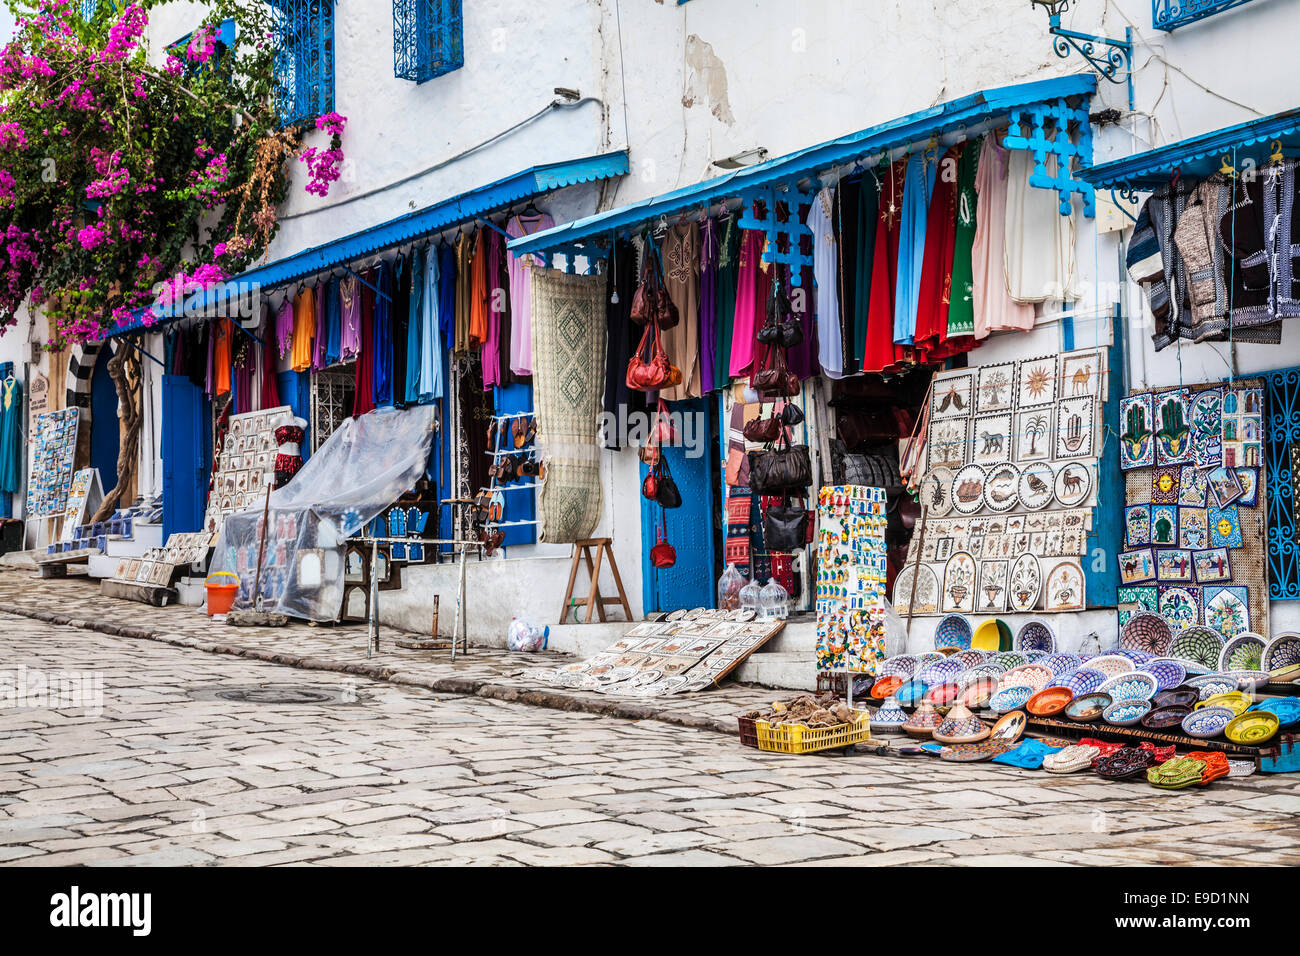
<point>485,672</point>
<point>405,775</point>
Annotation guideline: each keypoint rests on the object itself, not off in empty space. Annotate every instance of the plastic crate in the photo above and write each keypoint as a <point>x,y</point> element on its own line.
<point>748,732</point>
<point>797,739</point>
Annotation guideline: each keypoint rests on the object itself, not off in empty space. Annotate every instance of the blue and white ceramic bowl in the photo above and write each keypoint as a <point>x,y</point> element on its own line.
<point>1060,664</point>
<point>1036,635</point>
<point>1215,684</point>
<point>969,658</point>
<point>1085,680</point>
<point>941,672</point>
<point>1010,659</point>
<point>1135,685</point>
<point>1208,721</point>
<point>911,693</point>
<point>1126,713</point>
<point>1010,698</point>
<point>1168,673</point>
<point>1112,664</point>
<point>1137,657</point>
<point>953,631</point>
<point>904,665</point>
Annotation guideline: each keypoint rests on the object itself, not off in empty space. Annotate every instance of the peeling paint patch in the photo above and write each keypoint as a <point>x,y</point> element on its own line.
<point>706,80</point>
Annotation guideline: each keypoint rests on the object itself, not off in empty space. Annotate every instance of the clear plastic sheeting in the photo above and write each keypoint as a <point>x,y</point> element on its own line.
<point>366,465</point>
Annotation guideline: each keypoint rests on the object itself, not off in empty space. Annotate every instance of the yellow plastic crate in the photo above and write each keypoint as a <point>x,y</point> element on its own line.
<point>797,739</point>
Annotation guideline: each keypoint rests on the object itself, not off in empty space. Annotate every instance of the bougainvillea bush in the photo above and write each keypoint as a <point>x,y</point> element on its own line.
<point>126,170</point>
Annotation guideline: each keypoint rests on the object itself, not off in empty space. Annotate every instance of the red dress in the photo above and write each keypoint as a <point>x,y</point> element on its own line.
<point>364,399</point>
<point>936,266</point>
<point>881,352</point>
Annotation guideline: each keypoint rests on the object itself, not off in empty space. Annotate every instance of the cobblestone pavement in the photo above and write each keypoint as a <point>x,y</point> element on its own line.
<point>170,772</point>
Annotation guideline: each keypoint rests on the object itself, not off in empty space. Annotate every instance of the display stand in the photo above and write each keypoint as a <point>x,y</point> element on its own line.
<point>83,499</point>
<point>460,629</point>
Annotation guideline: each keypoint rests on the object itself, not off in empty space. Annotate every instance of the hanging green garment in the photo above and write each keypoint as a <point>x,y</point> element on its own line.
<point>725,300</point>
<point>11,439</point>
<point>868,213</point>
<point>961,307</point>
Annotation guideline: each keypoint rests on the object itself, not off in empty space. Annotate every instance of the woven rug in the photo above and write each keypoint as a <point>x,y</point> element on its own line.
<point>569,338</point>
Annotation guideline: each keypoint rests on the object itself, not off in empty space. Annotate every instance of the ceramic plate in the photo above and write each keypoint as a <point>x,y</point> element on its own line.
<point>1035,489</point>
<point>968,489</point>
<point>1010,659</point>
<point>1010,698</point>
<point>976,693</point>
<point>1060,664</point>
<point>1245,652</point>
<point>1024,583</point>
<point>1235,701</point>
<point>1049,701</point>
<point>1199,645</point>
<point>1168,673</point>
<point>1282,651</point>
<point>886,686</point>
<point>1073,484</point>
<point>1009,727</point>
<point>1031,675</point>
<point>936,492</point>
<point>1168,715</point>
<point>1036,635</point>
<point>1135,685</point>
<point>1088,707</point>
<point>1146,631</point>
<point>941,672</point>
<point>925,660</point>
<point>1212,685</point>
<point>1112,665</point>
<point>910,694</point>
<point>1185,697</point>
<point>1287,709</point>
<point>1126,713</point>
<point>941,695</point>
<point>970,658</point>
<point>903,665</point>
<point>1085,681</point>
<point>971,753</point>
<point>1207,722</point>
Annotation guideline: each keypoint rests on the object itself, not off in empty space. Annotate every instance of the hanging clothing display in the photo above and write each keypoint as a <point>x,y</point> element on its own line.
<point>399,319</point>
<point>491,345</point>
<point>304,326</point>
<point>464,292</point>
<point>830,343</point>
<point>621,278</point>
<point>268,388</point>
<point>415,330</point>
<point>284,321</point>
<point>1258,231</point>
<point>881,351</point>
<point>521,326</point>
<point>363,399</point>
<point>242,369</point>
<point>382,336</point>
<point>502,307</point>
<point>936,268</point>
<point>752,287</point>
<point>922,170</point>
<point>1038,240</point>
<point>961,311</point>
<point>725,304</point>
<point>320,333</point>
<point>221,334</point>
<point>478,284</point>
<point>801,357</point>
<point>333,323</point>
<point>993,307</point>
<point>709,250</point>
<point>1196,237</point>
<point>350,318</point>
<point>11,438</point>
<point>448,297</point>
<point>430,383</point>
<point>680,255</point>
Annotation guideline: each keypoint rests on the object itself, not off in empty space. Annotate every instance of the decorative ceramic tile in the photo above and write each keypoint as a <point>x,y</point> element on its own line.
<point>1243,431</point>
<point>1035,488</point>
<point>1225,527</point>
<point>947,445</point>
<point>1173,434</point>
<point>1082,373</point>
<point>1037,382</point>
<point>1137,526</point>
<point>1193,486</point>
<point>1034,434</point>
<point>954,394</point>
<point>1073,484</point>
<point>1064,587</point>
<point>1164,486</point>
<point>959,583</point>
<point>1164,525</point>
<point>1207,427</point>
<point>996,389</point>
<point>1226,609</point>
<point>992,596</point>
<point>1193,528</point>
<point>1212,566</point>
<point>1137,567</point>
<point>991,439</point>
<point>1025,583</point>
<point>1136,437</point>
<point>1144,598</point>
<point>1076,420</point>
<point>1249,478</point>
<point>1225,486</point>
<point>916,590</point>
<point>1174,566</point>
<point>968,489</point>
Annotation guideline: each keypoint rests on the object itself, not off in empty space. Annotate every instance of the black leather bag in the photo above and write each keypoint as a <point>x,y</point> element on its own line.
<point>780,470</point>
<point>666,492</point>
<point>785,528</point>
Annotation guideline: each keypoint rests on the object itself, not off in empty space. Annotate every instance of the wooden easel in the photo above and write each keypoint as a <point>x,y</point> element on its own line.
<point>582,551</point>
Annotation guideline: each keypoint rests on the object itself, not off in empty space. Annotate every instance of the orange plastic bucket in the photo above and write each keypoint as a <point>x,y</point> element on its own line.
<point>221,597</point>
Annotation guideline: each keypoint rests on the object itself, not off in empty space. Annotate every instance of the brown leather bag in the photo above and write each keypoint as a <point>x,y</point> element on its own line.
<point>774,376</point>
<point>763,430</point>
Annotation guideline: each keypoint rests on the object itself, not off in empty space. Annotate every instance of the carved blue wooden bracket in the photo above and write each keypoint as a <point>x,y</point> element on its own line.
<point>1055,116</point>
<point>776,251</point>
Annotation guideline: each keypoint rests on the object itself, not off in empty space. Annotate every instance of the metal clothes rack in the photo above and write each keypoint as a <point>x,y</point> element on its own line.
<point>497,452</point>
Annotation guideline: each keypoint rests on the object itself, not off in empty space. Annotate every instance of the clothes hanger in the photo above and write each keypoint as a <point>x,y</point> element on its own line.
<point>1226,167</point>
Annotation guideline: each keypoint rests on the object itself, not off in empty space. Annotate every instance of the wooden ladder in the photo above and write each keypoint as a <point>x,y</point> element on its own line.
<point>593,601</point>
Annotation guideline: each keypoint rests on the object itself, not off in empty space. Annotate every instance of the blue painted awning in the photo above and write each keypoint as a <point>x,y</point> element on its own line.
<point>966,113</point>
<point>431,220</point>
<point>1200,156</point>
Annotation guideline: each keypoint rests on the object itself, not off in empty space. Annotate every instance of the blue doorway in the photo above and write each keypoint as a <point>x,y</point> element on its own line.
<point>105,431</point>
<point>186,455</point>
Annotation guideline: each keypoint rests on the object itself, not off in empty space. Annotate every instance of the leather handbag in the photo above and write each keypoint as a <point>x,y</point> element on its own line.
<point>666,492</point>
<point>785,528</point>
<point>791,414</point>
<point>655,372</point>
<point>643,299</point>
<point>663,555</point>
<point>650,484</point>
<point>780,470</point>
<point>790,334</point>
<point>763,430</point>
<point>774,376</point>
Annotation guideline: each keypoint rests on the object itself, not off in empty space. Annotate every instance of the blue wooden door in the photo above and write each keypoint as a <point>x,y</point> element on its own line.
<point>105,430</point>
<point>692,581</point>
<point>185,455</point>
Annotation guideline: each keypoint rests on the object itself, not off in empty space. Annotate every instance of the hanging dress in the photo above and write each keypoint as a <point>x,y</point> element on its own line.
<point>221,357</point>
<point>399,314</point>
<point>1038,240</point>
<point>478,302</point>
<point>724,315</point>
<point>284,319</point>
<point>363,399</point>
<point>448,296</point>
<point>11,439</point>
<point>490,354</point>
<point>430,384</point>
<point>936,266</point>
<point>304,326</point>
<point>881,352</point>
<point>830,344</point>
<point>415,330</point>
<point>961,312</point>
<point>521,306</point>
<point>333,323</point>
<point>708,301</point>
<point>991,300</point>
<point>382,336</point>
<point>269,391</point>
<point>681,263</point>
<point>752,288</point>
<point>321,332</point>
<point>350,318</point>
<point>922,171</point>
<point>464,293</point>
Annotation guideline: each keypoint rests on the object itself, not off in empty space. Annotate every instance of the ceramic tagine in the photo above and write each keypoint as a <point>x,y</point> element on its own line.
<point>889,716</point>
<point>960,727</point>
<point>923,720</point>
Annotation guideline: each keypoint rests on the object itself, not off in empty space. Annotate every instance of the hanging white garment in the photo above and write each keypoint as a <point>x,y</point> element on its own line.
<point>830,347</point>
<point>149,466</point>
<point>1039,241</point>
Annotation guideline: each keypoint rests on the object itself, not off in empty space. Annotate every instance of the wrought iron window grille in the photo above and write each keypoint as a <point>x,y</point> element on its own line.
<point>428,39</point>
<point>1169,15</point>
<point>304,63</point>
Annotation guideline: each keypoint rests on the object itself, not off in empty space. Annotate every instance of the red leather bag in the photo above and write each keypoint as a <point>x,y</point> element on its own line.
<point>655,372</point>
<point>662,555</point>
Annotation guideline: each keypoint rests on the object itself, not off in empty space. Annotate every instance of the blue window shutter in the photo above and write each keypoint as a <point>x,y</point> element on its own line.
<point>1281,436</point>
<point>428,38</point>
<point>304,66</point>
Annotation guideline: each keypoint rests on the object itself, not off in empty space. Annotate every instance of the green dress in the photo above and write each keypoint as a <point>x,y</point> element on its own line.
<point>11,439</point>
<point>961,308</point>
<point>725,301</point>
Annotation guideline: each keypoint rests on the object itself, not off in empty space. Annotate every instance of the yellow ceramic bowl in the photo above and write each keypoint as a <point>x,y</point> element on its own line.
<point>1254,727</point>
<point>992,634</point>
<point>1236,701</point>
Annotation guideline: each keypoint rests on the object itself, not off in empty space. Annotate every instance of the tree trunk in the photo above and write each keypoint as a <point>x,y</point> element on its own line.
<point>124,370</point>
